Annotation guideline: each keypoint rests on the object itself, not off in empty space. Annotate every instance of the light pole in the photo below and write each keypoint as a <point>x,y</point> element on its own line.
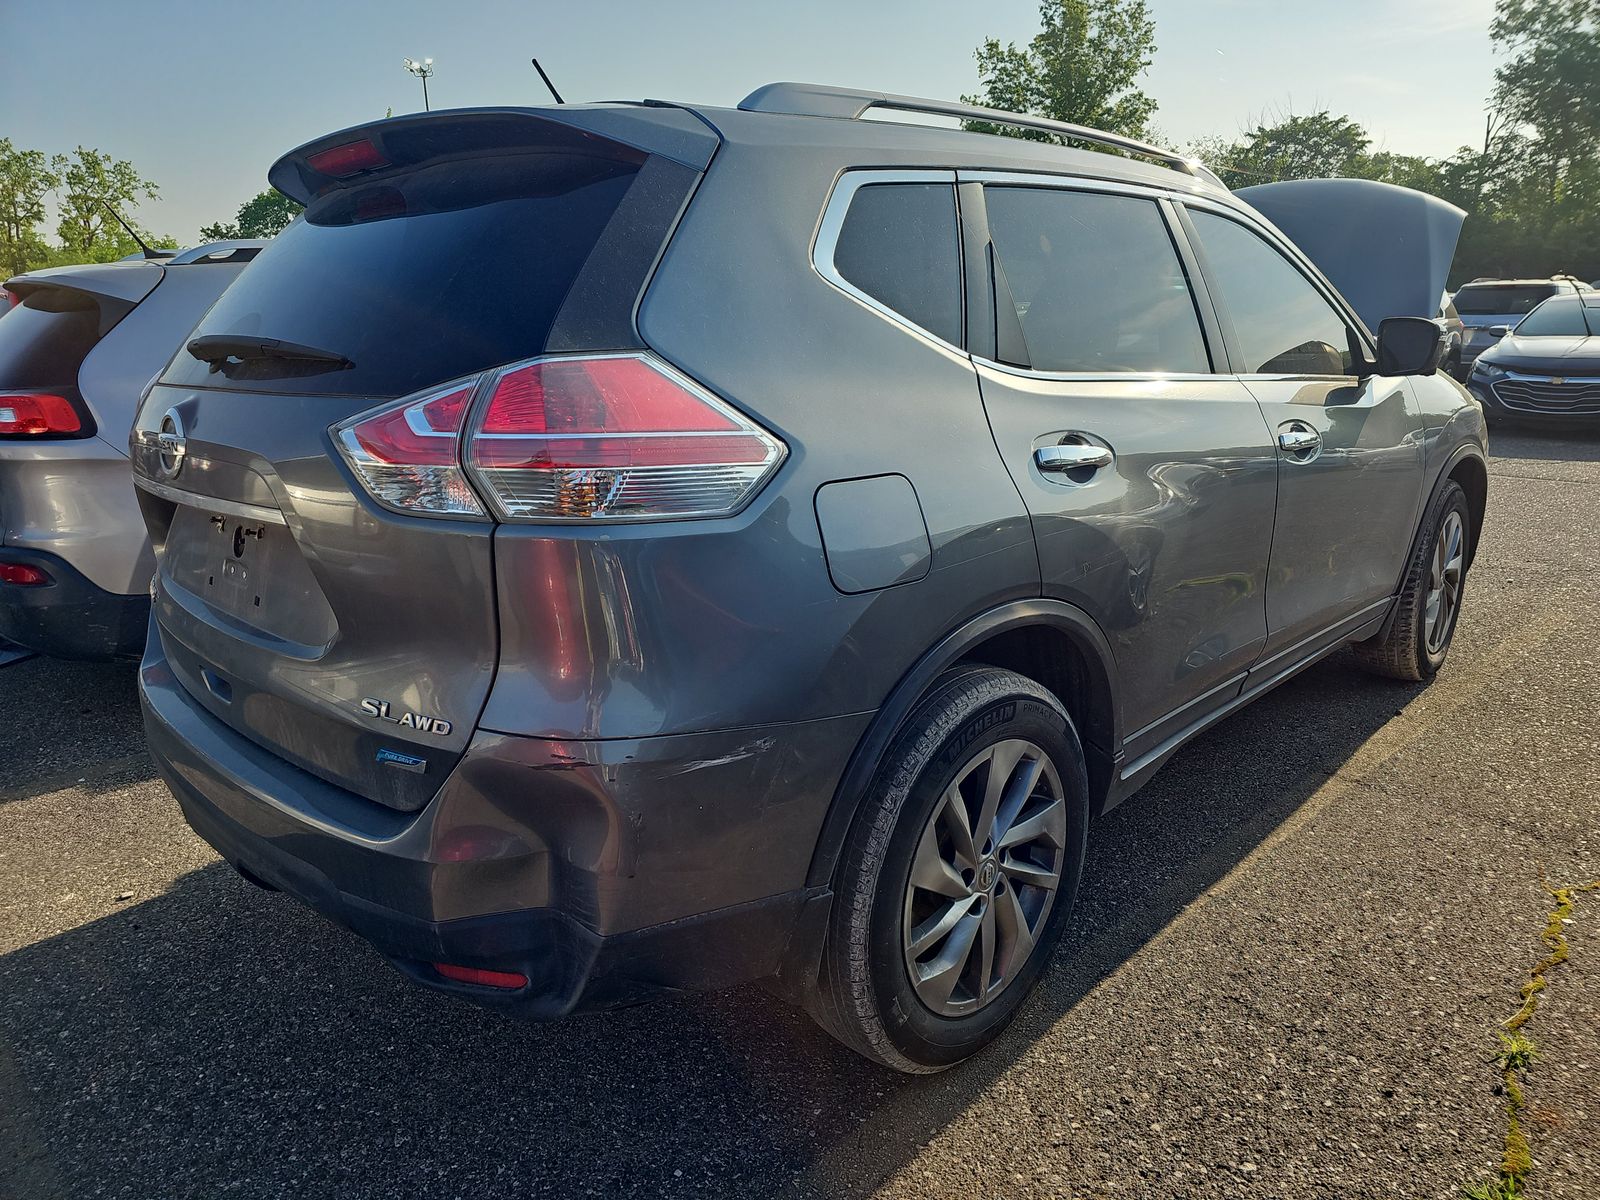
<point>421,70</point>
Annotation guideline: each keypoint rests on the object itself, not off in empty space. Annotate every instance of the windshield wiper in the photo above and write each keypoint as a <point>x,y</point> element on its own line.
<point>218,349</point>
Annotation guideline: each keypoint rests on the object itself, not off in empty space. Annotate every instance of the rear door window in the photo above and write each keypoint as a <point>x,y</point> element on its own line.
<point>44,349</point>
<point>1283,323</point>
<point>1494,300</point>
<point>1096,281</point>
<point>899,244</point>
<point>436,274</point>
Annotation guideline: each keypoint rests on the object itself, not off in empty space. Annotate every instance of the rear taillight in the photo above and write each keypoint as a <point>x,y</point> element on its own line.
<point>619,437</point>
<point>38,414</point>
<point>407,454</point>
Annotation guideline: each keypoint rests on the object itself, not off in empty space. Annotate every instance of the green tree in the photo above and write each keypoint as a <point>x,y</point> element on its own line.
<point>1318,146</point>
<point>1549,81</point>
<point>25,179</point>
<point>262,216</point>
<point>89,181</point>
<point>1083,66</point>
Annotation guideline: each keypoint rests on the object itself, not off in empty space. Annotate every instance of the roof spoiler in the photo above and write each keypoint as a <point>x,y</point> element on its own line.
<point>113,289</point>
<point>355,156</point>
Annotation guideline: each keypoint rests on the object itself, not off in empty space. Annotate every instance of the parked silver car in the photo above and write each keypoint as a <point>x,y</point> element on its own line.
<point>76,349</point>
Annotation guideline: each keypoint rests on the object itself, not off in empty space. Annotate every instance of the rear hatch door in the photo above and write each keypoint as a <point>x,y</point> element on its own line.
<point>351,640</point>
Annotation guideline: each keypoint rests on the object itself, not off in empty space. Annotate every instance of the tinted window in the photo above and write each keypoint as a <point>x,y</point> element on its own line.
<point>1560,318</point>
<point>1283,323</point>
<point>433,275</point>
<point>41,349</point>
<point>1097,283</point>
<point>899,245</point>
<point>1487,300</point>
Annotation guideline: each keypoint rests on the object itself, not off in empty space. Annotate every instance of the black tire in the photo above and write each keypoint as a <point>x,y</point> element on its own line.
<point>865,996</point>
<point>1403,652</point>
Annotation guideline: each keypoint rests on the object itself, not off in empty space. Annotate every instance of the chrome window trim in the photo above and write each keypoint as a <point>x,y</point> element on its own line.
<point>1099,376</point>
<point>853,180</point>
<point>1071,183</point>
<point>825,243</point>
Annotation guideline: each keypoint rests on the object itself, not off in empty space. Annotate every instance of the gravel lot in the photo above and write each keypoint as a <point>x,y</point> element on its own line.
<point>1283,980</point>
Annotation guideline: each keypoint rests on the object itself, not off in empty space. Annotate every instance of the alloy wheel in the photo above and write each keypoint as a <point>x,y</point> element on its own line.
<point>1444,583</point>
<point>984,877</point>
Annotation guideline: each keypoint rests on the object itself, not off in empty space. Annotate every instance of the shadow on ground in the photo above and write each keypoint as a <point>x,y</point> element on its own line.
<point>219,1040</point>
<point>65,724</point>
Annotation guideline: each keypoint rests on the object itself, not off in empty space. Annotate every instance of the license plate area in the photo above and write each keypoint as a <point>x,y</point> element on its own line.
<point>250,572</point>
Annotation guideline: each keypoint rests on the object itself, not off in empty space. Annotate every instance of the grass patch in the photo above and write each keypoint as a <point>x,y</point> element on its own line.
<point>1518,1052</point>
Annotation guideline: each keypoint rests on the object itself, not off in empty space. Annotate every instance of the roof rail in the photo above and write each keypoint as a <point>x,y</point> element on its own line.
<point>821,100</point>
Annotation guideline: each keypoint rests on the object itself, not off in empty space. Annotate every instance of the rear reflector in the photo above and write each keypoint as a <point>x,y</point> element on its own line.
<point>348,159</point>
<point>22,575</point>
<point>480,977</point>
<point>38,414</point>
<point>616,437</point>
<point>620,437</point>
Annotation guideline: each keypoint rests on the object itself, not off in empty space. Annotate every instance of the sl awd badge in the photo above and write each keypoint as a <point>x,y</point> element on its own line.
<point>406,720</point>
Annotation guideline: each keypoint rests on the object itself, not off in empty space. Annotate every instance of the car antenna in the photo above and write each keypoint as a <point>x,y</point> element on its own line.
<point>148,253</point>
<point>547,82</point>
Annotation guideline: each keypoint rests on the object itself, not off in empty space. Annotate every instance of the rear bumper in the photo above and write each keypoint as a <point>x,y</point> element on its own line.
<point>69,617</point>
<point>593,869</point>
<point>74,498</point>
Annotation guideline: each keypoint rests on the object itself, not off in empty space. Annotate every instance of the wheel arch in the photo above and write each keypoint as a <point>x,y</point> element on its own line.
<point>1470,471</point>
<point>1053,643</point>
<point>1466,467</point>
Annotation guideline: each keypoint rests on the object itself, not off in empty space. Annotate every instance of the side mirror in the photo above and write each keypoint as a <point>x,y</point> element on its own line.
<point>1408,346</point>
<point>1499,330</point>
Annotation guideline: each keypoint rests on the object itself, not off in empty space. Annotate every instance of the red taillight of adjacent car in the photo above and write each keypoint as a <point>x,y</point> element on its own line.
<point>23,575</point>
<point>38,414</point>
<point>618,437</point>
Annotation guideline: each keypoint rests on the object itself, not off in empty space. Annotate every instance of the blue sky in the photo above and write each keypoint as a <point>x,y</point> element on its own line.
<point>203,96</point>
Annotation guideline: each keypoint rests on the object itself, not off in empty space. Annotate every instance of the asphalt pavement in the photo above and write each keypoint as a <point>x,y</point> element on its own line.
<point>1283,980</point>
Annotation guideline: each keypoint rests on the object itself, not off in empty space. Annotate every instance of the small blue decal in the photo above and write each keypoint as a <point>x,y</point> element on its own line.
<point>406,762</point>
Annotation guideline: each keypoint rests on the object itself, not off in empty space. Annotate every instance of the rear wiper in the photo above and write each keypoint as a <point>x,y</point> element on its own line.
<point>217,349</point>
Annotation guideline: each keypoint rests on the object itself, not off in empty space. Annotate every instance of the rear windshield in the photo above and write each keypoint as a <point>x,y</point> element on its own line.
<point>416,280</point>
<point>41,349</point>
<point>1510,300</point>
<point>1560,318</point>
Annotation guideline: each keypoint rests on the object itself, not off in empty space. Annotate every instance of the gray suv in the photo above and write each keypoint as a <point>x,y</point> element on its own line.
<point>623,548</point>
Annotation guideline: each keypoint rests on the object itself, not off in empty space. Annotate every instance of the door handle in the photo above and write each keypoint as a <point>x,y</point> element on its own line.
<point>1072,456</point>
<point>1298,439</point>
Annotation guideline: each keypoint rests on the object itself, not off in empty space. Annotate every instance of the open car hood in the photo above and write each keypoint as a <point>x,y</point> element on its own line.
<point>1386,248</point>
